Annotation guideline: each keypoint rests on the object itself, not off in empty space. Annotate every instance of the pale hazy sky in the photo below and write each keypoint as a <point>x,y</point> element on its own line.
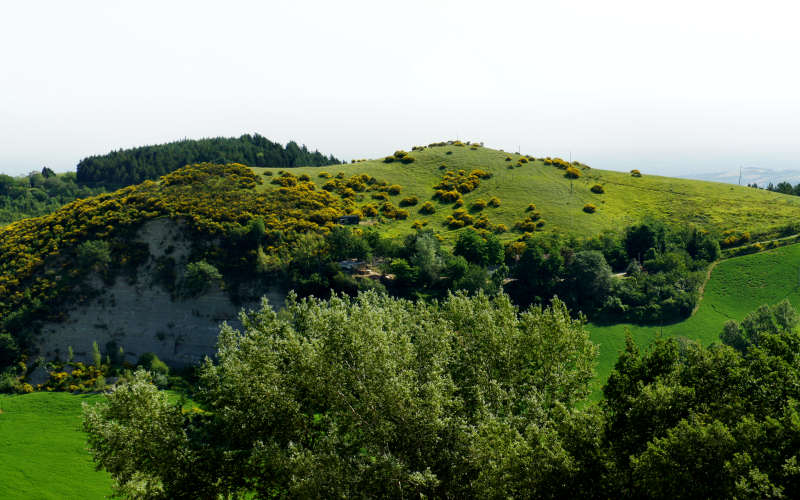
<point>670,87</point>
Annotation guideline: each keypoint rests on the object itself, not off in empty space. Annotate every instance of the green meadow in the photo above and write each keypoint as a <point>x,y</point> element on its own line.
<point>43,451</point>
<point>737,286</point>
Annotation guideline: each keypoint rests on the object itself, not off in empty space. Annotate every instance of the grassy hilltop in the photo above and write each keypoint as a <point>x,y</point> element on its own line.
<point>626,200</point>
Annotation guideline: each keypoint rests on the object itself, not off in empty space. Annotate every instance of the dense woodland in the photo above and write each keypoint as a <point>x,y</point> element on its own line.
<point>131,166</point>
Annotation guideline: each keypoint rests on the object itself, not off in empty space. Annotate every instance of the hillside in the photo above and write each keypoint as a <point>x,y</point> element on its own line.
<point>627,199</point>
<point>190,250</point>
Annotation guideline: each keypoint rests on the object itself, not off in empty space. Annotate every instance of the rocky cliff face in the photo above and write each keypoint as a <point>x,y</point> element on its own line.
<point>142,316</point>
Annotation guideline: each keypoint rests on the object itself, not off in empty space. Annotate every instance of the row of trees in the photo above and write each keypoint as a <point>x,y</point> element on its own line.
<point>465,398</point>
<point>131,166</point>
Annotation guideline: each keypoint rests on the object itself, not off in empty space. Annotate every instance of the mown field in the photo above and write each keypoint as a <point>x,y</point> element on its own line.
<point>737,286</point>
<point>626,200</point>
<point>43,452</point>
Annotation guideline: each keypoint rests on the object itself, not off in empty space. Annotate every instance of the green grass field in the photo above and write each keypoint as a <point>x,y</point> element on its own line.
<point>627,199</point>
<point>43,452</point>
<point>737,286</point>
<point>43,449</point>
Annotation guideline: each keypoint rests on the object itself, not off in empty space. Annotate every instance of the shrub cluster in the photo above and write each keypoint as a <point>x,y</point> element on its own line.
<point>597,188</point>
<point>479,204</point>
<point>459,219</point>
<point>369,210</point>
<point>531,223</point>
<point>347,188</point>
<point>557,162</point>
<point>391,212</point>
<point>461,182</point>
<point>494,202</point>
<point>409,201</point>
<point>482,222</point>
<point>572,173</point>
<point>401,156</point>
<point>427,208</point>
<point>635,173</point>
<point>733,238</point>
<point>447,196</point>
<point>589,208</point>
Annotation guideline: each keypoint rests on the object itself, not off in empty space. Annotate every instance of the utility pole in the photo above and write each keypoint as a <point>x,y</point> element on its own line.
<point>740,175</point>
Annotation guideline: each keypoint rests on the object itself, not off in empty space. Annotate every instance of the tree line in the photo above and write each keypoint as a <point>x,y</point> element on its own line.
<point>131,166</point>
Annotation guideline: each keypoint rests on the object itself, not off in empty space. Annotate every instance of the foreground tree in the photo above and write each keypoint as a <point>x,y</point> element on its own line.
<point>367,397</point>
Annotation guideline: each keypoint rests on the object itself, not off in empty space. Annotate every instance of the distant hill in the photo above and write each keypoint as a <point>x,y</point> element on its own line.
<point>131,166</point>
<point>760,176</point>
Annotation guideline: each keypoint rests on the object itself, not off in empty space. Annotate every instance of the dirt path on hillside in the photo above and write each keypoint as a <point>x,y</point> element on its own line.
<point>703,287</point>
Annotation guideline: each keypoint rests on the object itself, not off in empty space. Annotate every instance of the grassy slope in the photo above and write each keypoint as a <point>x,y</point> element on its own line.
<point>737,287</point>
<point>43,451</point>
<point>627,199</point>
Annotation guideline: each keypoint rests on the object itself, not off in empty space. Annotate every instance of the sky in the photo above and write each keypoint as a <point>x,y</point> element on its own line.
<point>667,87</point>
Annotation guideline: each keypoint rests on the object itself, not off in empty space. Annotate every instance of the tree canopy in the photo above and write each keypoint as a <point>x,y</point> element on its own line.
<point>367,397</point>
